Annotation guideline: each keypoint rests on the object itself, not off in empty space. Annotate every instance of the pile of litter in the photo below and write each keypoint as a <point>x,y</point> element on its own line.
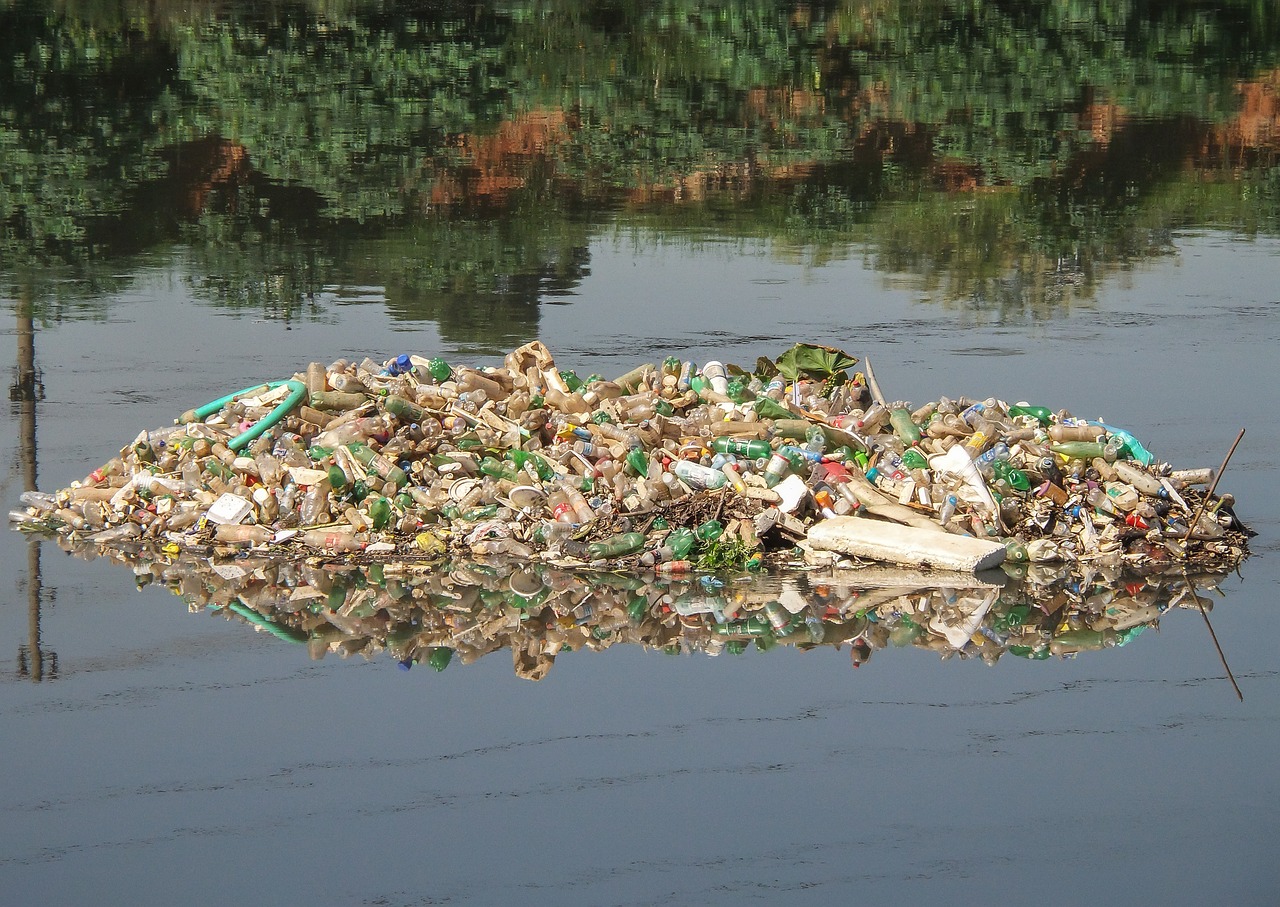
<point>439,615</point>
<point>670,467</point>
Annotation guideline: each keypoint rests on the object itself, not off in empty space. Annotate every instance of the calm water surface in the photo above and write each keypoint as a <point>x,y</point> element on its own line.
<point>1111,249</point>
<point>169,739</point>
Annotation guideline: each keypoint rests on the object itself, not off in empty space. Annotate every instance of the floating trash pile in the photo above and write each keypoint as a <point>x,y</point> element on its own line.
<point>671,467</point>
<point>457,613</point>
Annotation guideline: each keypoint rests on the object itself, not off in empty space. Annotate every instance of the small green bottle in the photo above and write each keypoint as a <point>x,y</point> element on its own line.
<point>638,461</point>
<point>380,512</point>
<point>491,466</point>
<point>739,391</point>
<point>912,458</point>
<point>440,657</point>
<point>681,541</point>
<point>439,369</point>
<point>710,530</point>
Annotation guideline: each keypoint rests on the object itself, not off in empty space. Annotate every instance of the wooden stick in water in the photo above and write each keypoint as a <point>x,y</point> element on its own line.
<point>1209,494</point>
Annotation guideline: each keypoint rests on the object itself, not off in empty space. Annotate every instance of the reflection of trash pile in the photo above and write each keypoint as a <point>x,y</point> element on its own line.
<point>668,466</point>
<point>424,615</point>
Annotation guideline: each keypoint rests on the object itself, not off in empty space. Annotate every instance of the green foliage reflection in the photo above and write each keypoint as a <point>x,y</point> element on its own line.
<point>463,154</point>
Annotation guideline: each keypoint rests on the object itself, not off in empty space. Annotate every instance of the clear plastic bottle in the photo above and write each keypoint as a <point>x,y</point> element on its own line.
<point>695,475</point>
<point>314,508</point>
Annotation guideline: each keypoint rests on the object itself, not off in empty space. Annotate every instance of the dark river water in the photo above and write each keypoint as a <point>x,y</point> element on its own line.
<point>1083,212</point>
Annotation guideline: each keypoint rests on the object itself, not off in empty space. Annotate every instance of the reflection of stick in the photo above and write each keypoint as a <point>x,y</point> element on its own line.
<point>1214,636</point>
<point>1192,528</point>
<point>874,385</point>
<point>1209,493</point>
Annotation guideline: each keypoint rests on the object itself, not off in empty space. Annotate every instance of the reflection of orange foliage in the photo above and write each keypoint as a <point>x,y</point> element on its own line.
<point>957,176</point>
<point>774,105</point>
<point>1258,124</point>
<point>1101,121</point>
<point>202,166</point>
<point>494,166</point>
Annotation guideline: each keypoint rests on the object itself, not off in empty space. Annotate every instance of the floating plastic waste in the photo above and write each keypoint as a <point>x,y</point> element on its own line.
<point>670,466</point>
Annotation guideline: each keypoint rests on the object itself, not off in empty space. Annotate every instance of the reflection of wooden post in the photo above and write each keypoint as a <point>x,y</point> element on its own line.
<point>25,392</point>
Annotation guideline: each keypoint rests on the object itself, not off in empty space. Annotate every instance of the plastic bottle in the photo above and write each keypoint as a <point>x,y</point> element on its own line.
<point>697,476</point>
<point>379,464</point>
<point>1129,444</point>
<point>731,474</point>
<point>777,469</point>
<point>243,535</point>
<point>1041,414</point>
<point>872,418</point>
<point>709,531</point>
<point>439,370</point>
<point>380,512</point>
<point>1079,450</point>
<point>314,506</point>
<point>904,427</point>
<point>681,542</point>
<point>742,447</point>
<point>1012,476</point>
<point>334,539</point>
<point>404,410</point>
<point>1062,433</point>
<point>582,512</point>
<point>1139,479</point>
<point>616,546</point>
<point>1102,502</point>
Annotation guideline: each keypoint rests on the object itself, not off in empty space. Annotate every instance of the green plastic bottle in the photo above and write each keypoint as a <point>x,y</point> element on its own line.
<point>619,545</point>
<point>404,410</point>
<point>912,458</point>
<point>492,466</point>
<point>476,514</point>
<point>1016,478</point>
<point>440,657</point>
<point>1079,450</point>
<point>375,461</point>
<point>753,449</point>
<point>903,426</point>
<point>439,369</point>
<point>681,542</point>
<point>739,391</point>
<point>380,512</point>
<point>638,461</point>
<point>1041,414</point>
<point>540,465</point>
<point>710,530</point>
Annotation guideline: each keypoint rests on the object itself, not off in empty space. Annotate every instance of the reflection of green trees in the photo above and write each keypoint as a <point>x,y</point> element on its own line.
<point>340,121</point>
